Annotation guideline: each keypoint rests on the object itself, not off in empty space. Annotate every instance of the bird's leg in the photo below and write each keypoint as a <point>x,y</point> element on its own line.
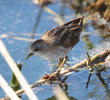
<point>59,61</point>
<point>67,63</point>
<point>56,74</point>
<point>63,62</point>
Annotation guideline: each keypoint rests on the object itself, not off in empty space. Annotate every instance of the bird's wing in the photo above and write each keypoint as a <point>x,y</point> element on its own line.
<point>61,34</point>
<point>53,36</point>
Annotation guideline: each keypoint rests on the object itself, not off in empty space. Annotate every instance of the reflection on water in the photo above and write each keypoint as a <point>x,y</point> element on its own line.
<point>23,21</point>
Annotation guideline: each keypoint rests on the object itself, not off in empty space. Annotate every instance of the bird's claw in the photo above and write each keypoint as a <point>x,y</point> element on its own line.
<point>52,77</point>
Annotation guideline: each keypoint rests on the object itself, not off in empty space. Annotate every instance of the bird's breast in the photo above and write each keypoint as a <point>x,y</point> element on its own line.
<point>54,53</point>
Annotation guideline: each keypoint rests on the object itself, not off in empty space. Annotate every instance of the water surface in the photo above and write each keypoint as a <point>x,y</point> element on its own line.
<point>17,19</point>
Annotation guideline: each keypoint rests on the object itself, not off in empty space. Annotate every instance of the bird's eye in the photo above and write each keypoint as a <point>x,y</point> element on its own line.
<point>36,49</point>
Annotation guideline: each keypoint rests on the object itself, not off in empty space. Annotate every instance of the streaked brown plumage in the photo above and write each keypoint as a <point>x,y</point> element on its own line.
<point>58,42</point>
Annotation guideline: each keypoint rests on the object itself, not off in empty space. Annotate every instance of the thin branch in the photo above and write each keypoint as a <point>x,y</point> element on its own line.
<point>94,60</point>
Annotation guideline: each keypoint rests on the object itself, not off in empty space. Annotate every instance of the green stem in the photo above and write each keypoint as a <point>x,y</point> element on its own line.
<point>14,82</point>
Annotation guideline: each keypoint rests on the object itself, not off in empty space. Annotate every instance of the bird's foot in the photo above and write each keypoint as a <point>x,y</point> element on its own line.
<point>52,77</point>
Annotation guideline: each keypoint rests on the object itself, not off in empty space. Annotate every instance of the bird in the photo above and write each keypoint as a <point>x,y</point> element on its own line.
<point>58,42</point>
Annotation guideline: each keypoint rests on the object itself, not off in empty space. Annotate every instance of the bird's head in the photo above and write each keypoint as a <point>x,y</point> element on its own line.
<point>37,46</point>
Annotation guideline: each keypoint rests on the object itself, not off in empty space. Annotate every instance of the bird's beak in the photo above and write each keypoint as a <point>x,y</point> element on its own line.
<point>29,55</point>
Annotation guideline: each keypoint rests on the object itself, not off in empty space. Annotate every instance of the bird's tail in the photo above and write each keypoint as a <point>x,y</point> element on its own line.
<point>75,22</point>
<point>75,26</point>
<point>81,23</point>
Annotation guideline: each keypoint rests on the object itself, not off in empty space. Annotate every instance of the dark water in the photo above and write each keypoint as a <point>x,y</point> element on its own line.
<point>17,19</point>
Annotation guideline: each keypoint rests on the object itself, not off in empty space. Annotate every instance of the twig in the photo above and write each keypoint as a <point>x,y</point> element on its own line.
<point>91,69</point>
<point>94,60</point>
<point>89,77</point>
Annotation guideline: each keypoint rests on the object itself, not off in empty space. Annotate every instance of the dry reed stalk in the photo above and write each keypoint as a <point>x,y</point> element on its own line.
<point>60,95</point>
<point>17,73</point>
<point>56,18</point>
<point>8,90</point>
